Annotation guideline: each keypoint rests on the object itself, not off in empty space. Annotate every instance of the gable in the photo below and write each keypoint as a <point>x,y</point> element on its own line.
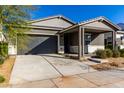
<point>99,24</point>
<point>53,22</point>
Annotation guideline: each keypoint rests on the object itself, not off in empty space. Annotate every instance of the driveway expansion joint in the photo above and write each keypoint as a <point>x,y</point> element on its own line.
<point>53,66</point>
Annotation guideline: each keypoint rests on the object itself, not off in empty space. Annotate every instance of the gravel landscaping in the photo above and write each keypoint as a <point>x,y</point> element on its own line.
<point>5,71</point>
<point>112,63</point>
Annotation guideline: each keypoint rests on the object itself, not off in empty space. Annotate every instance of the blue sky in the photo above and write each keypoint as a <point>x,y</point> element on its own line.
<point>78,13</point>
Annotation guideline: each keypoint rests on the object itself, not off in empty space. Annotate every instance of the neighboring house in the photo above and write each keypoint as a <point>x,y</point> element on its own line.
<point>120,39</point>
<point>58,34</point>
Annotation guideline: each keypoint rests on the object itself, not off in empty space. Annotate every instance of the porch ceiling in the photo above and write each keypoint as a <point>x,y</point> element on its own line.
<point>89,29</point>
<point>96,30</point>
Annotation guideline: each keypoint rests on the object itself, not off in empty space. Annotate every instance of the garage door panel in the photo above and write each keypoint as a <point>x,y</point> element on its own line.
<point>40,45</point>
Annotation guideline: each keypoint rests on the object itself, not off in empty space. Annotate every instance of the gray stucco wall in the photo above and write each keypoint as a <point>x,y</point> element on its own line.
<point>99,24</point>
<point>97,39</point>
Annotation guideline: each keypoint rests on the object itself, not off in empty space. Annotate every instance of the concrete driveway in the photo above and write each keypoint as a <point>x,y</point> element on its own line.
<point>66,66</point>
<point>29,68</point>
<point>53,71</point>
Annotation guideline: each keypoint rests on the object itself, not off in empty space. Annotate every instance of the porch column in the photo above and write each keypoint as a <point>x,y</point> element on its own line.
<point>58,43</point>
<point>80,45</point>
<point>114,39</point>
<point>83,41</point>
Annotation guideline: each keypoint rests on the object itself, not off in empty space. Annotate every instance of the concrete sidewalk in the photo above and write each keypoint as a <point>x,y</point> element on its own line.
<point>101,79</point>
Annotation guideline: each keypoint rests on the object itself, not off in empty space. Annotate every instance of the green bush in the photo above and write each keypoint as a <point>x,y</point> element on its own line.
<point>2,79</point>
<point>109,53</point>
<point>101,53</point>
<point>122,52</point>
<point>3,49</point>
<point>116,53</point>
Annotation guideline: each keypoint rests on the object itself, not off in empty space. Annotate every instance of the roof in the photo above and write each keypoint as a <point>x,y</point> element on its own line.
<point>51,17</point>
<point>121,25</point>
<point>101,18</point>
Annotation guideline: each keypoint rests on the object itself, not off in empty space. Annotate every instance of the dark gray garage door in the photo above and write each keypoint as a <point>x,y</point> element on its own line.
<point>40,44</point>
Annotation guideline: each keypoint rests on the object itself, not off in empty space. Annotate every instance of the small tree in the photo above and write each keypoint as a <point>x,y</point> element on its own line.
<point>13,21</point>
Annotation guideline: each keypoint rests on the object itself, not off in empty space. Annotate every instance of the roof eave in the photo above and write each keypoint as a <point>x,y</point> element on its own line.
<point>100,18</point>
<point>50,17</point>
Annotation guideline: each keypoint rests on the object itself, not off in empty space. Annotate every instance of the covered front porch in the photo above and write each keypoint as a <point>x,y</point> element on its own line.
<point>86,38</point>
<point>84,41</point>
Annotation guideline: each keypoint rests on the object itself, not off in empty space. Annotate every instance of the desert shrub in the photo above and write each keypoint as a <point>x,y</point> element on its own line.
<point>2,79</point>
<point>116,53</point>
<point>109,46</point>
<point>122,52</point>
<point>109,53</point>
<point>101,53</point>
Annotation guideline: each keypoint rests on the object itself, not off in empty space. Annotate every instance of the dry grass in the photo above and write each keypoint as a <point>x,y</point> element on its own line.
<point>112,63</point>
<point>5,70</point>
<point>102,66</point>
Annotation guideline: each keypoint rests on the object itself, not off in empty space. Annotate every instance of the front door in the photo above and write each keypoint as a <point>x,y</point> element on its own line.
<point>87,40</point>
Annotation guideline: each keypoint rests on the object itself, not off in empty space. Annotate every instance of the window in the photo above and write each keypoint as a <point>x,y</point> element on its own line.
<point>87,37</point>
<point>122,40</point>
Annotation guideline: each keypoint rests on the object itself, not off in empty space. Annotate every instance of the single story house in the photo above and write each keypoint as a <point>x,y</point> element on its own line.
<point>58,34</point>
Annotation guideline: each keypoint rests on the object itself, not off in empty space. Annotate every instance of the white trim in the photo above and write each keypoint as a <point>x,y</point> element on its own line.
<point>32,33</point>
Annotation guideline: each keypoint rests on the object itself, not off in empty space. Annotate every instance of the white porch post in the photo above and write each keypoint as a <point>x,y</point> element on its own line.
<point>83,41</point>
<point>80,44</point>
<point>114,39</point>
<point>58,43</point>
